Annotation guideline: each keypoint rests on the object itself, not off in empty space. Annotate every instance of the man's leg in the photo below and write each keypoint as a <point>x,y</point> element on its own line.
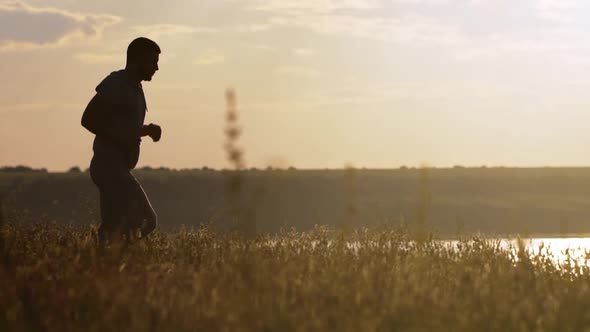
<point>105,202</point>
<point>141,214</point>
<point>124,206</point>
<point>106,217</point>
<point>114,203</point>
<point>113,185</point>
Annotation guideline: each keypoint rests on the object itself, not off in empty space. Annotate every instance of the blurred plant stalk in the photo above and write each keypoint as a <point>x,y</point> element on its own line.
<point>242,216</point>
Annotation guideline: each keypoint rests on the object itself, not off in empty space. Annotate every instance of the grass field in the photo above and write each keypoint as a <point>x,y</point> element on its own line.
<point>53,278</point>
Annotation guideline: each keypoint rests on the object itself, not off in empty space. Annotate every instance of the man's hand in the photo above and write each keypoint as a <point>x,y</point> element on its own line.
<point>152,130</point>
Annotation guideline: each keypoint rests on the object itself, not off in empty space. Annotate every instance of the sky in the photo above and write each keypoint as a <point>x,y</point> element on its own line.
<point>319,83</point>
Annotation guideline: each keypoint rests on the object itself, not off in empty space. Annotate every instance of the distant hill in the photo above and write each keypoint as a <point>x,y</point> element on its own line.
<point>491,200</point>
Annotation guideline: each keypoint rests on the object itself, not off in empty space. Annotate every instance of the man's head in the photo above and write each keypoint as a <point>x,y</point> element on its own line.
<point>142,58</point>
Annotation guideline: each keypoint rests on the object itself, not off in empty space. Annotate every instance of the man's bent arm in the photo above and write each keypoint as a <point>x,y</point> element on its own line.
<point>145,131</point>
<point>96,120</point>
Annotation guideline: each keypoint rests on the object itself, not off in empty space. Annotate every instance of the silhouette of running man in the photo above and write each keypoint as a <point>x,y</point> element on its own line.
<point>116,116</point>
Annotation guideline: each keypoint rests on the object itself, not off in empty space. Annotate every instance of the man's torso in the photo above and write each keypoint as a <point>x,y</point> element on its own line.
<point>128,114</point>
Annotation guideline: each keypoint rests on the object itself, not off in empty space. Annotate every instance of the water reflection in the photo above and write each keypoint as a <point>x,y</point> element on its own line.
<point>558,250</point>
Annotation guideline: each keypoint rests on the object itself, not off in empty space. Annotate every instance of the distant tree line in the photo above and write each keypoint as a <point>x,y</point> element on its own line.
<point>21,168</point>
<point>77,169</point>
<point>205,168</point>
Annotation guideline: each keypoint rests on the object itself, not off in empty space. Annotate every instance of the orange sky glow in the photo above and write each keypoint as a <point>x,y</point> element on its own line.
<point>320,84</point>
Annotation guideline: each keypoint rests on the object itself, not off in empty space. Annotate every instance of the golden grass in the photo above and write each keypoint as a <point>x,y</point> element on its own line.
<point>53,278</point>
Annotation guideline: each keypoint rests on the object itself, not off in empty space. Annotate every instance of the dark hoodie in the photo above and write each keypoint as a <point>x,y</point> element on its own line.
<point>120,123</point>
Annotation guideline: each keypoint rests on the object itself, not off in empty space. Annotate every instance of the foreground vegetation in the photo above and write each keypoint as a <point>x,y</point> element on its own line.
<point>53,278</point>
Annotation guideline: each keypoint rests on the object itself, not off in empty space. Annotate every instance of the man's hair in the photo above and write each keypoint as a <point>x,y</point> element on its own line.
<point>140,47</point>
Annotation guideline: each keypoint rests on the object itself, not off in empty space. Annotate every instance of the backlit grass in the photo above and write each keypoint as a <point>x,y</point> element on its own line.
<point>53,278</point>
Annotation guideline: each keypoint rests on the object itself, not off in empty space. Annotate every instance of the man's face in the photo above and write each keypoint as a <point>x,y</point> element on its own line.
<point>149,66</point>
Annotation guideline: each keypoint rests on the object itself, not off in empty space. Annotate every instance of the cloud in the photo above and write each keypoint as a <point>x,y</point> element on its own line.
<point>255,27</point>
<point>209,58</point>
<point>370,19</point>
<point>44,106</point>
<point>298,71</point>
<point>410,29</point>
<point>556,10</point>
<point>158,30</point>
<point>25,27</point>
<point>424,23</point>
<point>468,29</point>
<point>316,6</point>
<point>505,46</point>
<point>98,58</point>
<point>262,47</point>
<point>304,52</point>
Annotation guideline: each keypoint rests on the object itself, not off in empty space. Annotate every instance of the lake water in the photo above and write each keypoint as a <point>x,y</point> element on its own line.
<point>558,249</point>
